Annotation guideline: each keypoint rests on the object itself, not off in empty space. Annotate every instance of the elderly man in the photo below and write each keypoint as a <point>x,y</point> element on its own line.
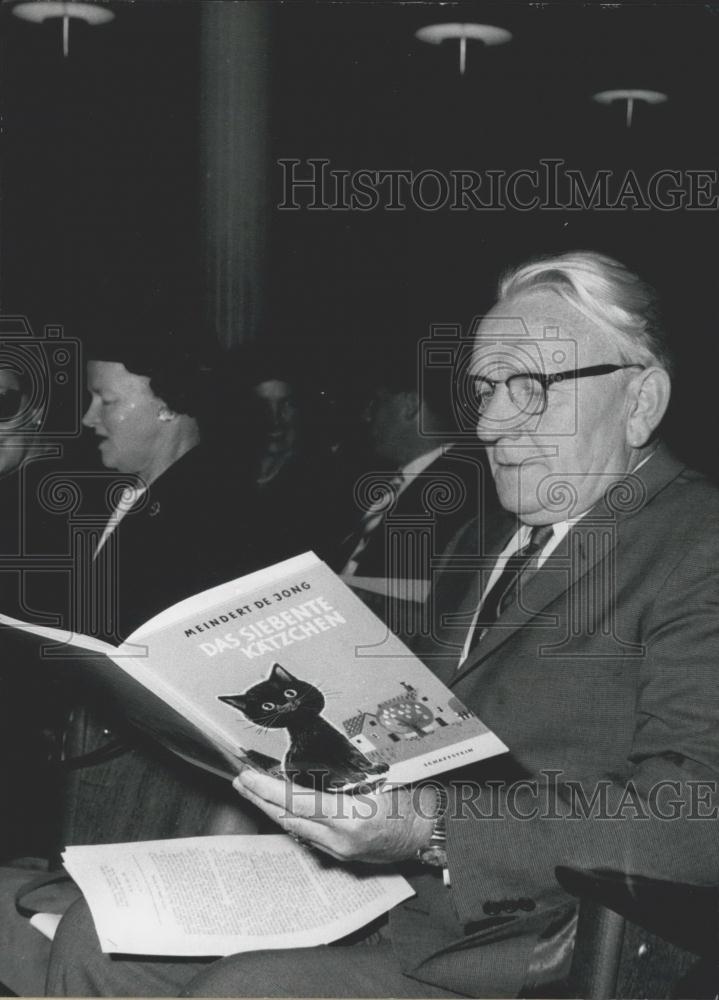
<point>584,631</point>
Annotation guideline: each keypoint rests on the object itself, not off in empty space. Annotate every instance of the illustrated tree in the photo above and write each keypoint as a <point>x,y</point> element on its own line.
<point>405,717</point>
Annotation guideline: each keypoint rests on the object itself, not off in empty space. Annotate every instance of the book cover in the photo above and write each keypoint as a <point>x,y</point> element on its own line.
<point>288,671</point>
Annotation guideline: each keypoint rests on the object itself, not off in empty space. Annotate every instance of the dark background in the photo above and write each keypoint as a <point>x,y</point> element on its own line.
<point>100,176</point>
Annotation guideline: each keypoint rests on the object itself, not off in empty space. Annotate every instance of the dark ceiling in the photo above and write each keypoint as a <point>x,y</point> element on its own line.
<point>355,86</point>
<point>100,156</point>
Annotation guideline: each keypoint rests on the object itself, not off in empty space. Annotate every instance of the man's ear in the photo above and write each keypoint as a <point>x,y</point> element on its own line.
<point>649,395</point>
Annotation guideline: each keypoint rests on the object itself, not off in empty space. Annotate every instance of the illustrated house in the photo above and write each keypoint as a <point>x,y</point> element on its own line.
<point>405,716</point>
<point>366,733</point>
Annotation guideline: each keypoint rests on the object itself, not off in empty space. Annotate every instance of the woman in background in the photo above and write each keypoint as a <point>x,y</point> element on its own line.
<point>183,518</point>
<point>188,517</point>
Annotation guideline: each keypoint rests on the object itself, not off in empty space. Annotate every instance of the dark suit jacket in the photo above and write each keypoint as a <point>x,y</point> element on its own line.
<point>195,527</point>
<point>605,676</point>
<point>434,505</point>
<point>416,530</point>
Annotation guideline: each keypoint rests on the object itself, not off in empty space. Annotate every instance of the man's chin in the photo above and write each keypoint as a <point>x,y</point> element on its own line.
<point>106,459</point>
<point>518,493</point>
<point>527,478</point>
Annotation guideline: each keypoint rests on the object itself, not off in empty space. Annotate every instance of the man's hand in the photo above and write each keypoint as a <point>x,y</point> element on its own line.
<point>381,826</point>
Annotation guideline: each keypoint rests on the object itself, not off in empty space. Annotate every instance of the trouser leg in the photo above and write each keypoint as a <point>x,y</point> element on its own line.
<point>355,971</point>
<point>78,967</point>
<point>24,951</point>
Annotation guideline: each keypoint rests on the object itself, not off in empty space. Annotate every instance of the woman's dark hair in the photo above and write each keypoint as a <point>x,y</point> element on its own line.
<point>183,378</point>
<point>180,362</point>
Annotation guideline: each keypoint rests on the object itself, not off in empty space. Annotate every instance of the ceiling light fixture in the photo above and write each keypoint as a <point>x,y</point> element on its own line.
<point>38,11</point>
<point>487,34</point>
<point>631,96</point>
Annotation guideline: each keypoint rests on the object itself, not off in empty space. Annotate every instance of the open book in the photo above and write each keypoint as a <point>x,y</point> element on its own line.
<point>285,670</point>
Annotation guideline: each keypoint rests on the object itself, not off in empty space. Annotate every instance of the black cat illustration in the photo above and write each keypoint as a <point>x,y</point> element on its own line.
<point>318,756</point>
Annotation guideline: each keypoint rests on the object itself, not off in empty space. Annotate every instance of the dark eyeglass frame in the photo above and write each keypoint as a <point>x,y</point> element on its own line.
<point>546,381</point>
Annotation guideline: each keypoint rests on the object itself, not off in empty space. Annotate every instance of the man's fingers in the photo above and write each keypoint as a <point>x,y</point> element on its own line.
<point>314,834</point>
<point>271,809</point>
<point>271,789</point>
<point>295,799</point>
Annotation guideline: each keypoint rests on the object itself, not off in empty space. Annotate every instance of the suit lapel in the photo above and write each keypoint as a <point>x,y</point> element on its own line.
<point>587,543</point>
<point>151,508</point>
<point>461,575</point>
<point>573,558</point>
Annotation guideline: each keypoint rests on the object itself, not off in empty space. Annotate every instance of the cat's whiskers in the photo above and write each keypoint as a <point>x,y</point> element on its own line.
<point>327,694</point>
<point>270,721</point>
<point>265,724</point>
<point>254,726</point>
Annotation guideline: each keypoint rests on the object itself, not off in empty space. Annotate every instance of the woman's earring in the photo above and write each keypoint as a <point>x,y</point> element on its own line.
<point>166,415</point>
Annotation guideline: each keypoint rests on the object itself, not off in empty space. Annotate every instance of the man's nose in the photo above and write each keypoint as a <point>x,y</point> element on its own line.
<point>90,416</point>
<point>500,417</point>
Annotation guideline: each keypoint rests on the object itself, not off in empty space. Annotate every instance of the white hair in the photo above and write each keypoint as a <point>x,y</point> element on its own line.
<point>605,291</point>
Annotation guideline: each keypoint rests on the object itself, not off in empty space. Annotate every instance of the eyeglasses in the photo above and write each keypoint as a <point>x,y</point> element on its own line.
<point>528,390</point>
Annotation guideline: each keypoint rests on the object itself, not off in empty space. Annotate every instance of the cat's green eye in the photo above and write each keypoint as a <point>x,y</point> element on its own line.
<point>268,706</point>
<point>290,693</point>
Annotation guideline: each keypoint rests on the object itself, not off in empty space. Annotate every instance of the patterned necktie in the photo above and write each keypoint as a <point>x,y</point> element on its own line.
<point>519,567</point>
<point>371,520</point>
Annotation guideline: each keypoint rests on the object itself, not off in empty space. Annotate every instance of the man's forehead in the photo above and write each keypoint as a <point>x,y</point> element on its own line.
<point>543,319</point>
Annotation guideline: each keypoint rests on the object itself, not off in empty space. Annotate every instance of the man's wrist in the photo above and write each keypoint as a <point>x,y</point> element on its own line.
<point>434,851</point>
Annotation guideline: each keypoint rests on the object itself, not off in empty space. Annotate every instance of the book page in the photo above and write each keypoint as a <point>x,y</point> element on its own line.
<point>63,641</point>
<point>205,896</point>
<point>147,705</point>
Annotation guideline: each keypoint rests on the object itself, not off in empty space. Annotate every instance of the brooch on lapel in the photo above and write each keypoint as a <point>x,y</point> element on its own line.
<point>154,509</point>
